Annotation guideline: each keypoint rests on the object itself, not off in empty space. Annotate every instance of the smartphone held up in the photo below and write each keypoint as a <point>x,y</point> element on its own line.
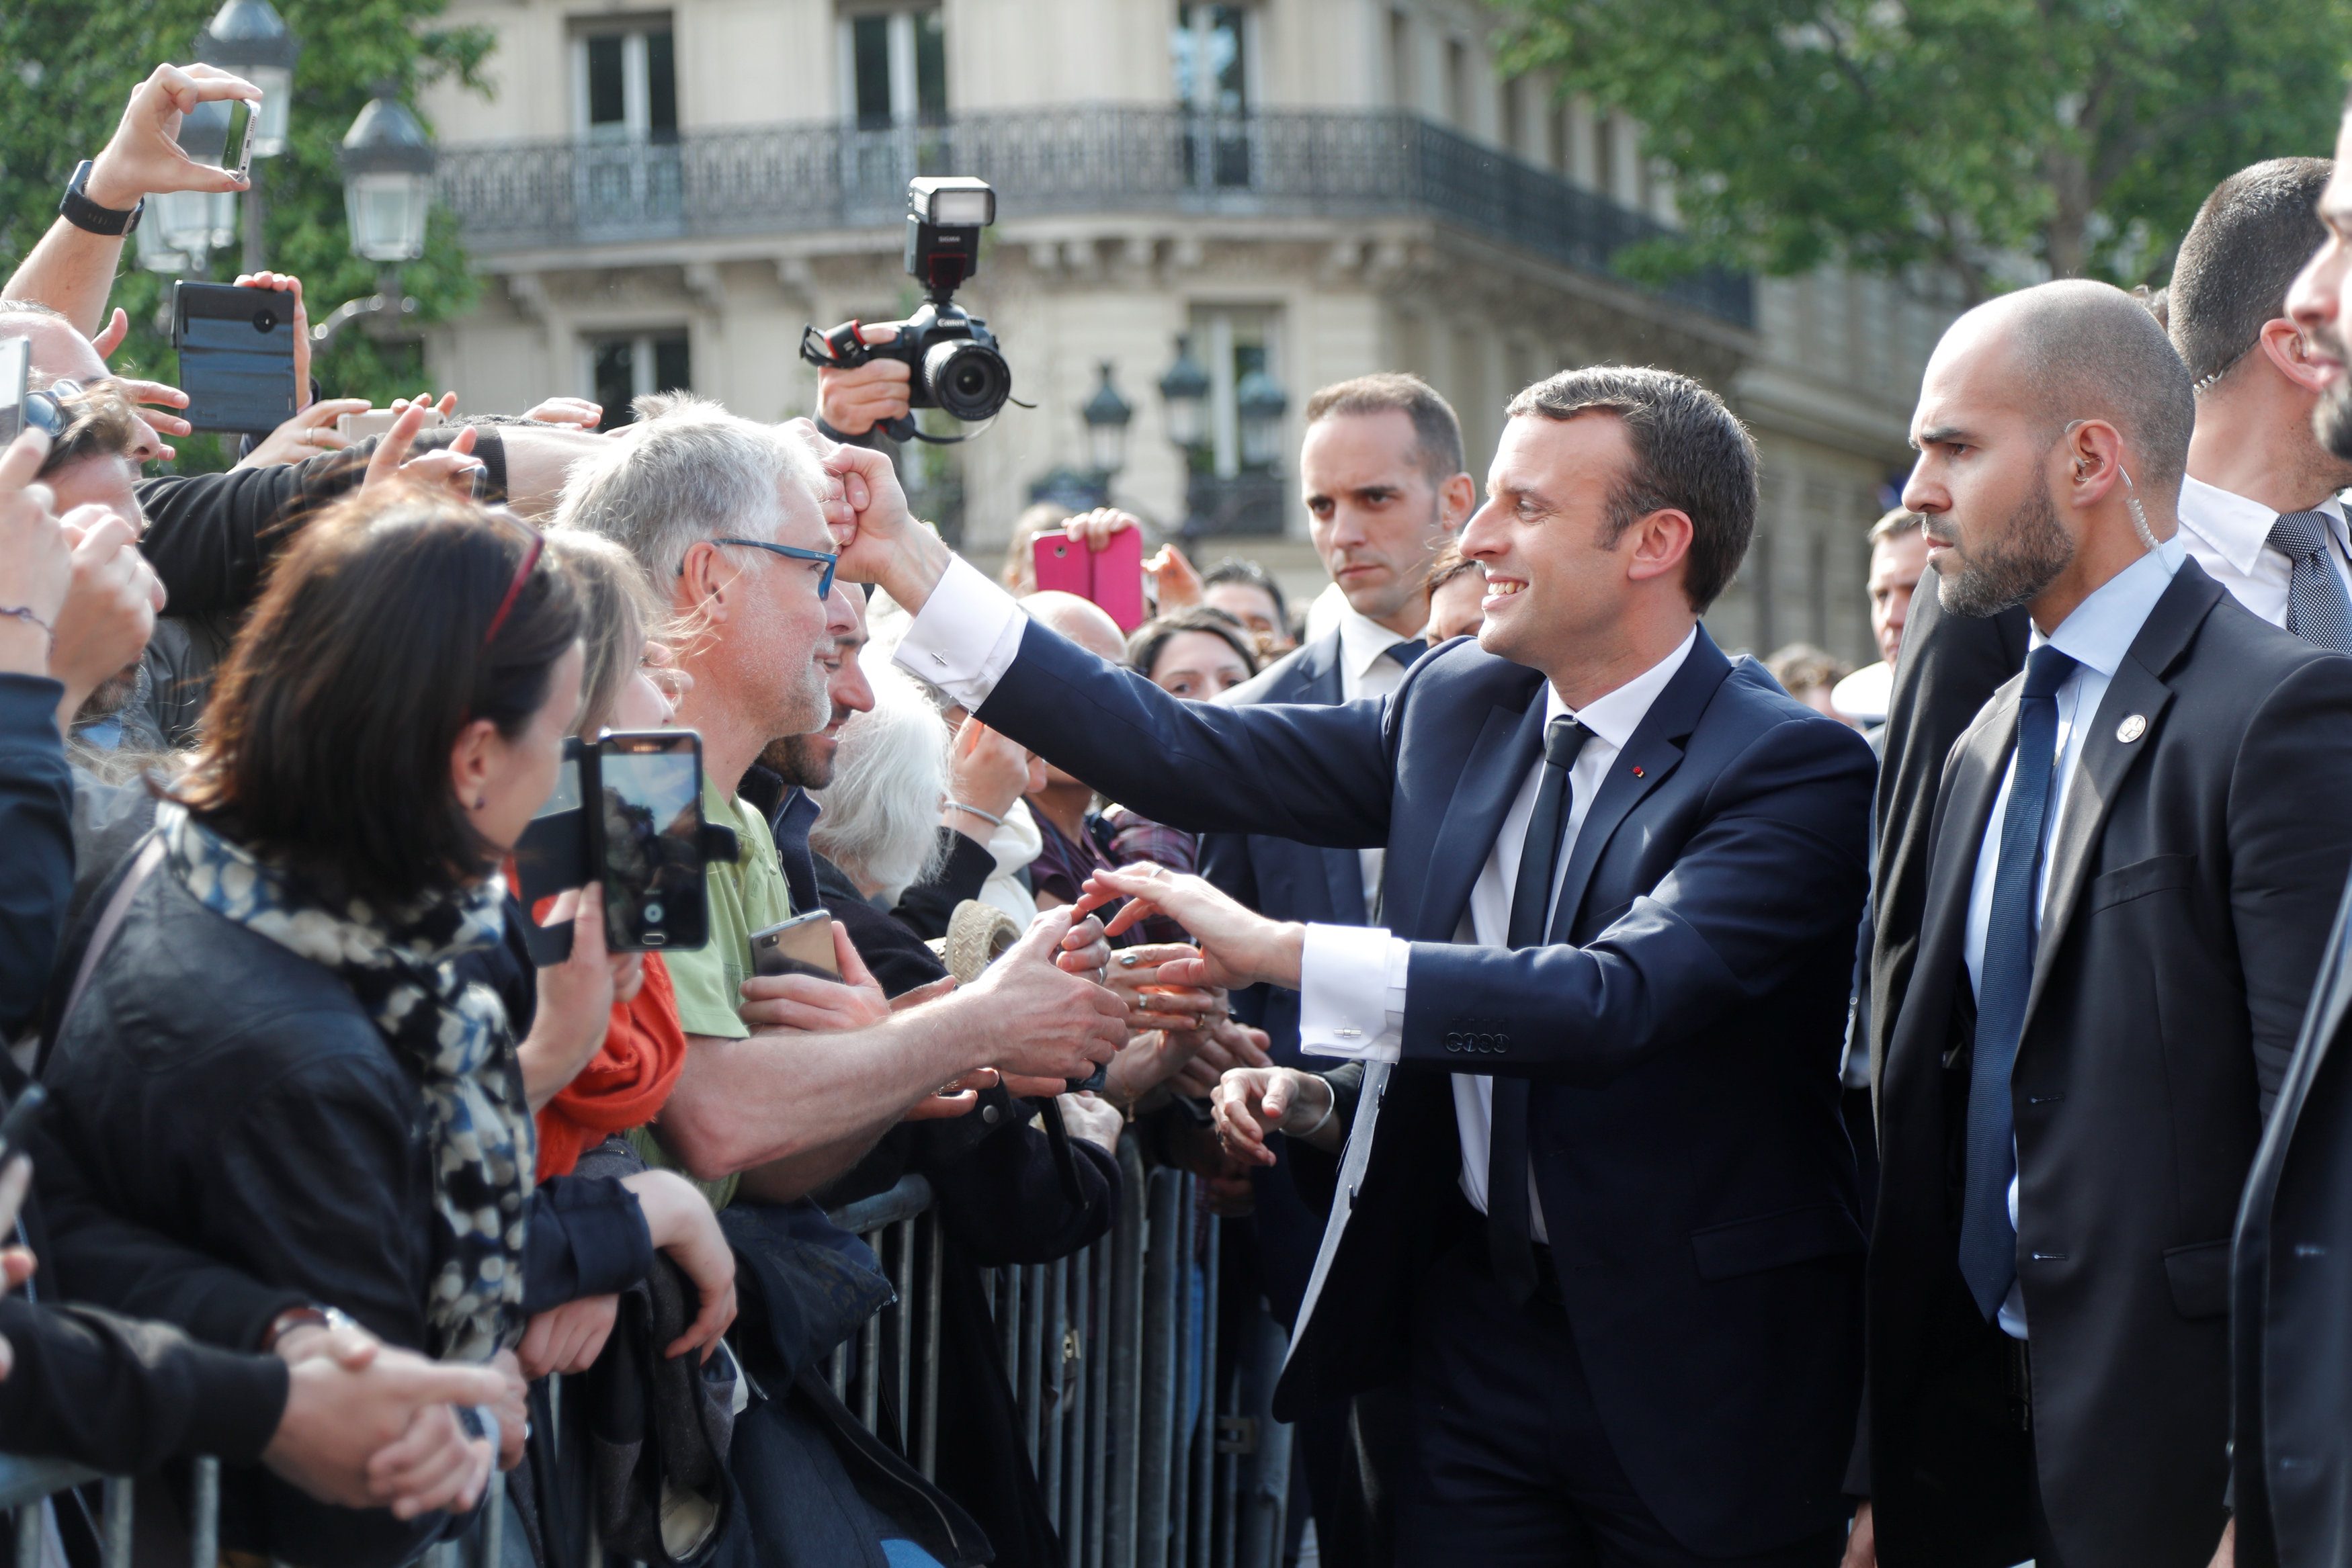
<point>626,813</point>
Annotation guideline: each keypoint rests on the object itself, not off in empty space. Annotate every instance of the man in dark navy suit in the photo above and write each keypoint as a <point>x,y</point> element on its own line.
<point>1597,1207</point>
<point>1380,474</point>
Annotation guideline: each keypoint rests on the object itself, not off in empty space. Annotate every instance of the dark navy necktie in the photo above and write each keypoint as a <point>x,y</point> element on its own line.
<point>1405,653</point>
<point>1510,1235</point>
<point>1988,1242</point>
<point>2318,610</point>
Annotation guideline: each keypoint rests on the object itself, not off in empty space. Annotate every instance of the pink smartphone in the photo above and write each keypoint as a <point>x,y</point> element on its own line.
<point>1118,578</point>
<point>1112,578</point>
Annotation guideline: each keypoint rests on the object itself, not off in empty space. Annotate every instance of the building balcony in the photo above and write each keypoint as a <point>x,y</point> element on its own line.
<point>821,177</point>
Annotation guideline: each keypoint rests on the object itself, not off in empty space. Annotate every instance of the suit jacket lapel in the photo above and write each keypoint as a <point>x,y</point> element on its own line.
<point>1654,751</point>
<point>1491,776</point>
<point>2105,762</point>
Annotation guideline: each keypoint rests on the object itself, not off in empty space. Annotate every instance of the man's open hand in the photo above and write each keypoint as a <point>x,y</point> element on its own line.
<point>1239,946</point>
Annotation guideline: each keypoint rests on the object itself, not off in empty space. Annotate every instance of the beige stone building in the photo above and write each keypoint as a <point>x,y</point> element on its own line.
<point>1304,190</point>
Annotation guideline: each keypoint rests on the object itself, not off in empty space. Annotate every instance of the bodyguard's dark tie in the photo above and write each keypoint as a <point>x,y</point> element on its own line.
<point>1406,653</point>
<point>1510,1236</point>
<point>1988,1242</point>
<point>2318,610</point>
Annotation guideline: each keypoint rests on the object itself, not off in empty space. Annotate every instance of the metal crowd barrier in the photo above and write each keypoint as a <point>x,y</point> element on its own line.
<point>1147,1457</point>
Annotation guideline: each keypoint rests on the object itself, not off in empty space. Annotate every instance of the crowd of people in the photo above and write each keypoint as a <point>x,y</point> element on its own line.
<point>1685,1110</point>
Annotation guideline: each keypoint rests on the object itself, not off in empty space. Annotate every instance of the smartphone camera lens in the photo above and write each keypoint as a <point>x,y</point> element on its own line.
<point>653,915</point>
<point>265,320</point>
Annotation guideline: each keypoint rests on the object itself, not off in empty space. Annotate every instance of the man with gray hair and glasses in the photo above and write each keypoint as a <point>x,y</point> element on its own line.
<point>790,1079</point>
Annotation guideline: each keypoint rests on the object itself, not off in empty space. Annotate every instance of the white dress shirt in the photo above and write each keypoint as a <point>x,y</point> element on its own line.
<point>2229,535</point>
<point>1352,978</point>
<point>2096,636</point>
<point>1366,671</point>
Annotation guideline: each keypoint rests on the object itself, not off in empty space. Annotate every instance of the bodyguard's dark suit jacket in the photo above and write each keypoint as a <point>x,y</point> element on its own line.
<point>2190,881</point>
<point>1284,880</point>
<point>2290,1351</point>
<point>1696,1179</point>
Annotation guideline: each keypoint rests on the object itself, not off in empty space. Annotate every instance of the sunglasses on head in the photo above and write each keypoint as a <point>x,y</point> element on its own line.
<point>535,546</point>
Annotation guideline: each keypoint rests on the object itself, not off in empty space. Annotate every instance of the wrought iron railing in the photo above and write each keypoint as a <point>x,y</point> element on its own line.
<point>812,177</point>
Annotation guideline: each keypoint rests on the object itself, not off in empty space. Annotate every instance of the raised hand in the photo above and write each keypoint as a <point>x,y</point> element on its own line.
<point>143,157</point>
<point>453,466</point>
<point>305,435</point>
<point>813,1004</point>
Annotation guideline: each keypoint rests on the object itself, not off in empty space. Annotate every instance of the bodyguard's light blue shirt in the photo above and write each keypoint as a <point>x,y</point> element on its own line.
<point>2096,636</point>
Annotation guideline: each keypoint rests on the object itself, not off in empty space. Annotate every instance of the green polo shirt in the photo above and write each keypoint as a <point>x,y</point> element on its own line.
<point>746,896</point>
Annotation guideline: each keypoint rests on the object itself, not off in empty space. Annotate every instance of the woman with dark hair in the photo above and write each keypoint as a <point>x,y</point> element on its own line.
<point>276,1060</point>
<point>1197,653</point>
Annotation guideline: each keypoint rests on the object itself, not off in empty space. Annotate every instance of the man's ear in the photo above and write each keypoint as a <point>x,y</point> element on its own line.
<point>1456,500</point>
<point>705,585</point>
<point>1662,542</point>
<point>2282,342</point>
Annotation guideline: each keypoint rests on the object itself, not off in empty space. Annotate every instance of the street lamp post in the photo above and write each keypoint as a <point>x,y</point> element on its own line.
<point>387,195</point>
<point>249,38</point>
<point>1106,414</point>
<point>1184,392</point>
<point>1259,402</point>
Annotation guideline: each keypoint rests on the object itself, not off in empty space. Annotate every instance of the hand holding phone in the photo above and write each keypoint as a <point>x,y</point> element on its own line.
<point>800,946</point>
<point>1110,577</point>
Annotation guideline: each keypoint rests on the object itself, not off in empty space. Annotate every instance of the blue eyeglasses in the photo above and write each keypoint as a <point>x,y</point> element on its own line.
<point>794,552</point>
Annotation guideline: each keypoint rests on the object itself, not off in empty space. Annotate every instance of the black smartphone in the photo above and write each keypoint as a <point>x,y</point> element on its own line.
<point>16,371</point>
<point>236,355</point>
<point>650,841</point>
<point>800,946</point>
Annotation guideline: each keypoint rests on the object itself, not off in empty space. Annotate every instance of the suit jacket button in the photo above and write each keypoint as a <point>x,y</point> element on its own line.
<point>1502,1043</point>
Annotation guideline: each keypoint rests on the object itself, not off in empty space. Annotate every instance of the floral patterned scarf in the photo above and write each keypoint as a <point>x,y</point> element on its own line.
<point>451,1033</point>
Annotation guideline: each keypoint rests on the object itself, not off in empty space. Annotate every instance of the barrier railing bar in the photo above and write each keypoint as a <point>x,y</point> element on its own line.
<point>1204,1420</point>
<point>1158,1418</point>
<point>1057,1356</point>
<point>869,1358</point>
<point>927,1459</point>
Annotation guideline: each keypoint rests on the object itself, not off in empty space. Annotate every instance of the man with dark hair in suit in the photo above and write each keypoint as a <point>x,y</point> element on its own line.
<point>2136,849</point>
<point>1597,1209</point>
<point>2290,1353</point>
<point>1380,474</point>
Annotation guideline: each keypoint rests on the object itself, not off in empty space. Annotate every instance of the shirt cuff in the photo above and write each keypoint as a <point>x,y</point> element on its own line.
<point>1351,993</point>
<point>966,636</point>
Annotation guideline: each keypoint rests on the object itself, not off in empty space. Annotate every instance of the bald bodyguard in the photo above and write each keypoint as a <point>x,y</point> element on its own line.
<point>2137,849</point>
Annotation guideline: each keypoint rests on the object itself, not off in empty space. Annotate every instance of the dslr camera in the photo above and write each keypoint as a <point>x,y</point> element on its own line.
<point>949,353</point>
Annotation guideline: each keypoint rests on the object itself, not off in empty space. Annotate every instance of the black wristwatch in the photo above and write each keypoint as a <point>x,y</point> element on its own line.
<point>84,214</point>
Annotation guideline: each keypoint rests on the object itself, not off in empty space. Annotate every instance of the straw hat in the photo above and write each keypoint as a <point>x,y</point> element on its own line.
<point>978,934</point>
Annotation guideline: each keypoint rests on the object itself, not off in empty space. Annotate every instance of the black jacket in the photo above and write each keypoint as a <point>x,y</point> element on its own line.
<point>35,803</point>
<point>1949,666</point>
<point>213,1088</point>
<point>1286,881</point>
<point>2291,1337</point>
<point>2192,874</point>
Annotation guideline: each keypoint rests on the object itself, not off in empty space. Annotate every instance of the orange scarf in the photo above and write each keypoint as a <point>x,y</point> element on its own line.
<point>624,1084</point>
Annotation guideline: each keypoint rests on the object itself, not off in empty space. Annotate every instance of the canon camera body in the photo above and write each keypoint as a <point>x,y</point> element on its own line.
<point>950,356</point>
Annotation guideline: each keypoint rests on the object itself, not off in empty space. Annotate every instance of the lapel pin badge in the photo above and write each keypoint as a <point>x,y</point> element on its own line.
<point>1637,771</point>
<point>2131,729</point>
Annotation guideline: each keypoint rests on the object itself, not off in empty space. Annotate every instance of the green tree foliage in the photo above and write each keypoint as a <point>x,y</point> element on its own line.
<point>1960,134</point>
<point>67,66</point>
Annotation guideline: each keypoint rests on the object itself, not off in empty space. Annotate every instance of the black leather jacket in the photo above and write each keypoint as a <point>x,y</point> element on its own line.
<point>216,1089</point>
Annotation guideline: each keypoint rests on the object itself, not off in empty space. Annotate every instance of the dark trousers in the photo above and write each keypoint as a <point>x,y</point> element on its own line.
<point>1509,1464</point>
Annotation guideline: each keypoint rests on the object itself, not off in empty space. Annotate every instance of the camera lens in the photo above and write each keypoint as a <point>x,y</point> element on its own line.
<point>263,320</point>
<point>968,381</point>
